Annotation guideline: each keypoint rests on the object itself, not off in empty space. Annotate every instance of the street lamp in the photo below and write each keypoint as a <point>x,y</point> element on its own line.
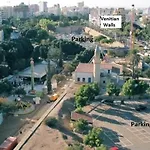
<point>32,74</point>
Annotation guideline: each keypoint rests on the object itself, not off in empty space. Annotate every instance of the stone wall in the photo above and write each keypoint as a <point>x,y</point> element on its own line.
<point>137,97</point>
<point>69,29</point>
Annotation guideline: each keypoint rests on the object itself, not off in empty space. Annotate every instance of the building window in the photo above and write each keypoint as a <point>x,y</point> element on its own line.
<point>104,82</point>
<point>108,71</point>
<point>89,80</point>
<point>83,79</point>
<point>78,79</point>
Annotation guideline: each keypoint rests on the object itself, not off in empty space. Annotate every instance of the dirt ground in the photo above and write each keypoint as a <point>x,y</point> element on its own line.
<point>46,138</point>
<point>19,126</point>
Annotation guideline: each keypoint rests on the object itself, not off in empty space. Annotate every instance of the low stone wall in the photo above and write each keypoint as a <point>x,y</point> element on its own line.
<point>25,111</point>
<point>69,29</point>
<point>136,97</point>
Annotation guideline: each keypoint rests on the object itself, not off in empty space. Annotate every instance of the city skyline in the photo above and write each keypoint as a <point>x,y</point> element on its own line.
<point>89,3</point>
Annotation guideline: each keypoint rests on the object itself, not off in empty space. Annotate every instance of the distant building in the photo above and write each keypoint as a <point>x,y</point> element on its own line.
<point>121,12</point>
<point>75,11</point>
<point>21,11</point>
<point>1,35</point>
<point>80,4</point>
<point>95,13</point>
<point>1,17</point>
<point>56,10</point>
<point>6,12</point>
<point>147,11</point>
<point>33,9</point>
<point>43,7</point>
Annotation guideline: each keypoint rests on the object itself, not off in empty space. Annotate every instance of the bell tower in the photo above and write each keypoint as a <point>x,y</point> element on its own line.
<point>96,65</point>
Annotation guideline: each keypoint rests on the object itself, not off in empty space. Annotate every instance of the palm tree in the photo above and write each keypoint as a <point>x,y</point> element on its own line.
<point>134,59</point>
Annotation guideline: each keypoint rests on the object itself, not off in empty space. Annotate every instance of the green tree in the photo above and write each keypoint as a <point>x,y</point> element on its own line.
<point>111,89</point>
<point>117,91</point>
<point>84,56</point>
<point>99,38</point>
<point>81,126</point>
<point>85,94</point>
<point>75,147</point>
<point>134,61</point>
<point>20,91</point>
<point>42,34</point>
<point>7,108</point>
<point>47,24</point>
<point>51,122</point>
<point>128,88</point>
<point>142,87</point>
<point>147,59</point>
<point>59,77</point>
<point>80,101</point>
<point>68,68</point>
<point>146,73</point>
<point>93,138</point>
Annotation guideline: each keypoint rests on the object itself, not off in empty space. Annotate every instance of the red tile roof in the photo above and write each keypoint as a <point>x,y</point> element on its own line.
<point>106,66</point>
<point>84,68</point>
<point>76,116</point>
<point>88,67</point>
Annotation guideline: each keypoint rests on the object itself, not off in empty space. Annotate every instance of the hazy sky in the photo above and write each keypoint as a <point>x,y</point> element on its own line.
<point>90,3</point>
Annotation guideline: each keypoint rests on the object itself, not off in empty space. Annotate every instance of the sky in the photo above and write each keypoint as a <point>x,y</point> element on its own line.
<point>90,3</point>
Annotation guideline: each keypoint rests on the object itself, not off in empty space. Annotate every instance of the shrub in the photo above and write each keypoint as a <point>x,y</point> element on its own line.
<point>51,122</point>
<point>75,147</point>
<point>81,125</point>
<point>79,110</point>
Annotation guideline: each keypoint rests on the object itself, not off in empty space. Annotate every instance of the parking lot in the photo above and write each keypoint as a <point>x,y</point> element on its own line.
<point>116,124</point>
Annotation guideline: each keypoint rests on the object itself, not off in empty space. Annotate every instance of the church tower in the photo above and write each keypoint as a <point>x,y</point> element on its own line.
<point>96,65</point>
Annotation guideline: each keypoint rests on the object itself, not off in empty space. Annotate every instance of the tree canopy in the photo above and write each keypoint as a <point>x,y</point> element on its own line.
<point>85,94</point>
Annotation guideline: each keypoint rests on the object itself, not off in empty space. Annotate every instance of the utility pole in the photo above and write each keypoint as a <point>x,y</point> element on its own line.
<point>131,32</point>
<point>49,85</point>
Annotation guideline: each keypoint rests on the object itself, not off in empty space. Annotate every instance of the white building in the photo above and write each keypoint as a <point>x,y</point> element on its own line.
<point>5,13</point>
<point>81,4</point>
<point>95,13</point>
<point>34,8</point>
<point>56,10</point>
<point>1,17</point>
<point>43,7</point>
<point>147,11</point>
<point>1,35</point>
<point>96,71</point>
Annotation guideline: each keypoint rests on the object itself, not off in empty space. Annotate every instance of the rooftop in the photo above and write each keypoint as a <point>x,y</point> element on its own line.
<point>39,71</point>
<point>76,116</point>
<point>88,67</point>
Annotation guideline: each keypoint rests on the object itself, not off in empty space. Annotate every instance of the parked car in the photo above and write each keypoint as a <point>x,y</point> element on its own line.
<point>114,148</point>
<point>140,107</point>
<point>108,102</point>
